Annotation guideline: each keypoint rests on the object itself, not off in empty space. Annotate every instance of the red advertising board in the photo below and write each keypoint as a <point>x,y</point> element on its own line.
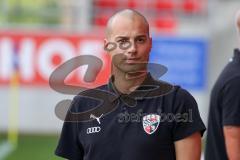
<point>35,55</point>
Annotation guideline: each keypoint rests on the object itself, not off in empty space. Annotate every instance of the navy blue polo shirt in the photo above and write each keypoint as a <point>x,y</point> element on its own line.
<point>141,125</point>
<point>224,108</point>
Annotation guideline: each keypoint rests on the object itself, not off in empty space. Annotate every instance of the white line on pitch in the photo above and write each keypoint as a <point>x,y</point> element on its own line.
<point>5,149</point>
<point>202,156</point>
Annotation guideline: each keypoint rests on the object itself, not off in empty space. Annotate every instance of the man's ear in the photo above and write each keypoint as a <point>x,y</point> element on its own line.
<point>151,41</point>
<point>150,38</point>
<point>105,42</point>
<point>109,46</point>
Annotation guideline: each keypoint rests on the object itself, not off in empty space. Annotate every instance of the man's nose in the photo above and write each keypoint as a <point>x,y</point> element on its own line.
<point>132,49</point>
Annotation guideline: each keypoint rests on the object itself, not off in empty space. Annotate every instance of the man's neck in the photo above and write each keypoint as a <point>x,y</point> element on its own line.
<point>127,83</point>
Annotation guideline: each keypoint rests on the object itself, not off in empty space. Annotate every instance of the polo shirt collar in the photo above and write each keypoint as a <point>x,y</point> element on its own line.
<point>138,94</point>
<point>236,54</point>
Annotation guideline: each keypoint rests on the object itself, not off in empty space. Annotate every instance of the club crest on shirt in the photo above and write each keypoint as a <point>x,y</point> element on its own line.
<point>150,123</point>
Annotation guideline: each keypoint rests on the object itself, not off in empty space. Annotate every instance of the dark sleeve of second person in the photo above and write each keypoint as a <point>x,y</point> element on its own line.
<point>69,146</point>
<point>230,102</point>
<point>190,121</point>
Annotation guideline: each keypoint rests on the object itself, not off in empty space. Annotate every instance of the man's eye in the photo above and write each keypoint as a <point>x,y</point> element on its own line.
<point>122,41</point>
<point>141,40</point>
<point>124,44</point>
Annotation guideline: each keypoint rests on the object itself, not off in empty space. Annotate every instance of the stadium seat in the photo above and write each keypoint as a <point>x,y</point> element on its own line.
<point>132,4</point>
<point>101,20</point>
<point>165,5</point>
<point>190,6</point>
<point>166,22</point>
<point>106,3</point>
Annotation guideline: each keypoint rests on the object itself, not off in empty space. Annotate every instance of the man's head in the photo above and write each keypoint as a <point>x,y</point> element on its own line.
<point>129,31</point>
<point>127,13</point>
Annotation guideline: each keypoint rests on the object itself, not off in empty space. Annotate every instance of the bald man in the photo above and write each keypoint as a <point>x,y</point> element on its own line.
<point>151,119</point>
<point>223,137</point>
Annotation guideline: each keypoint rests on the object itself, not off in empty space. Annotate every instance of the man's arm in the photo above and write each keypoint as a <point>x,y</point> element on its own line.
<point>231,117</point>
<point>189,148</point>
<point>232,141</point>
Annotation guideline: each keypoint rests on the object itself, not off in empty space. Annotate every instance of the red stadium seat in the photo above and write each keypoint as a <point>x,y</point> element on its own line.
<point>101,20</point>
<point>106,3</point>
<point>168,22</point>
<point>165,5</point>
<point>190,6</point>
<point>132,4</point>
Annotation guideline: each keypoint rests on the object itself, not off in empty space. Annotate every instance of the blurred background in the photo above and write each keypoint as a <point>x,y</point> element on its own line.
<point>194,39</point>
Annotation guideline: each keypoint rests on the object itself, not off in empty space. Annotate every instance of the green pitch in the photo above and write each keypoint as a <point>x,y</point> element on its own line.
<point>37,147</point>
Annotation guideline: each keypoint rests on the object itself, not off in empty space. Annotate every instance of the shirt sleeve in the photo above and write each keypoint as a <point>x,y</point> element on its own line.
<point>231,102</point>
<point>69,146</point>
<point>187,117</point>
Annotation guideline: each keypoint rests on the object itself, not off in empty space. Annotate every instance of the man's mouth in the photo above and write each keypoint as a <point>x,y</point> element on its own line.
<point>132,61</point>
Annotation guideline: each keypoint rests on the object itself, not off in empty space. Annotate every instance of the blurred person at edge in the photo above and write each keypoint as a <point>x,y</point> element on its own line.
<point>223,136</point>
<point>104,137</point>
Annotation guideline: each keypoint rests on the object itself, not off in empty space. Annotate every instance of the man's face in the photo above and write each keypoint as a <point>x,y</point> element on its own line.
<point>133,44</point>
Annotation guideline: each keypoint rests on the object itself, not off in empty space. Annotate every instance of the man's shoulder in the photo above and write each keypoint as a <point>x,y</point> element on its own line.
<point>163,86</point>
<point>172,90</point>
<point>178,99</point>
<point>92,92</point>
<point>229,73</point>
<point>89,98</point>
